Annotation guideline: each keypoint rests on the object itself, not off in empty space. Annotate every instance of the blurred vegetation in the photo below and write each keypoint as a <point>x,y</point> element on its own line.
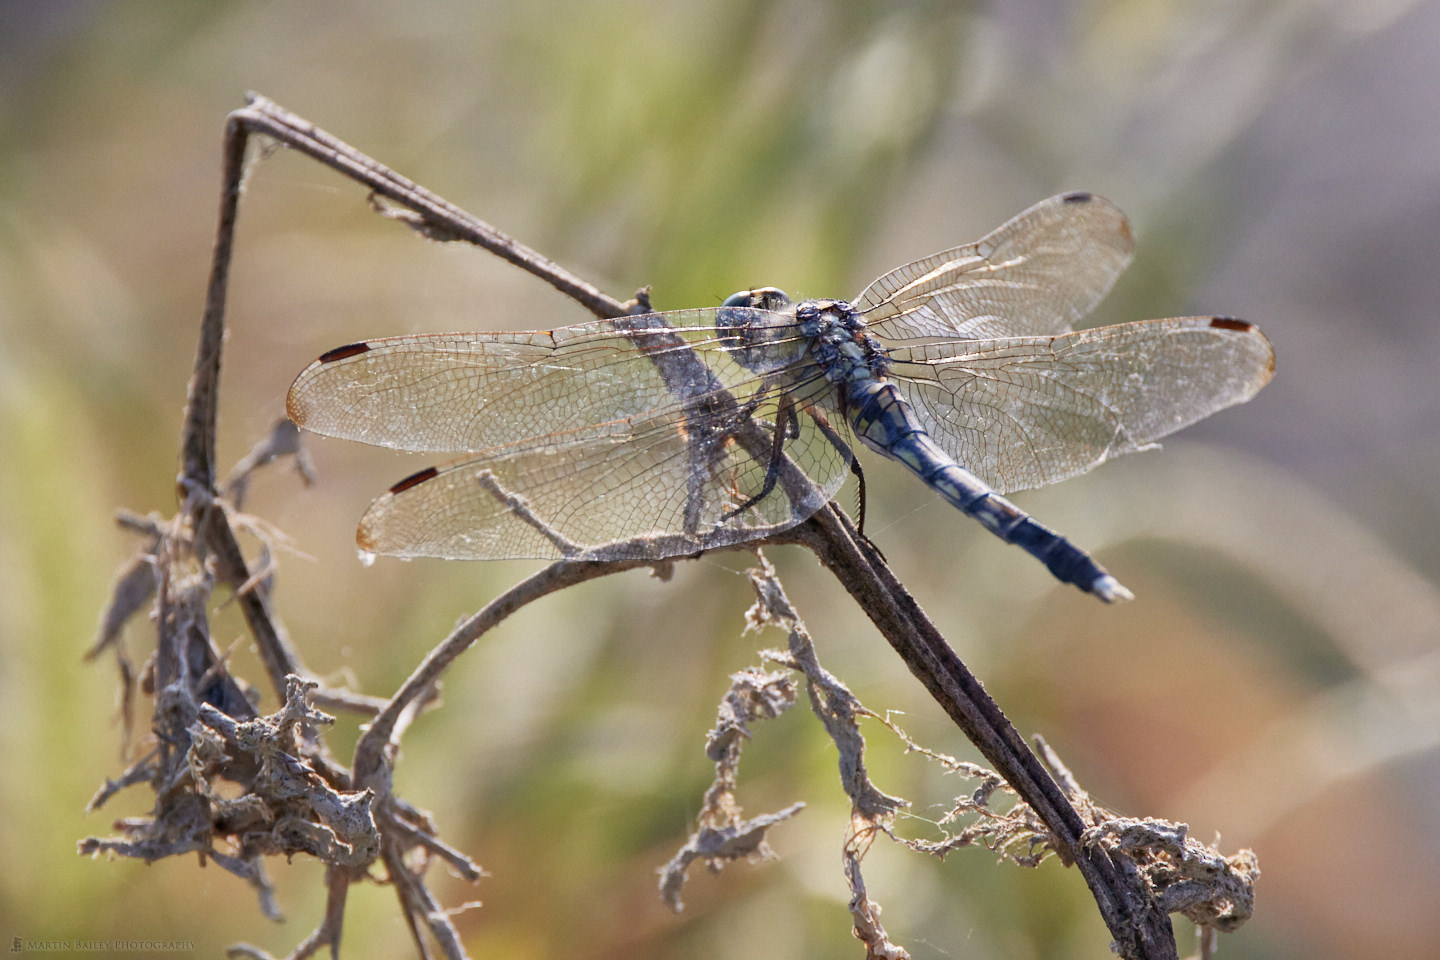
<point>1276,681</point>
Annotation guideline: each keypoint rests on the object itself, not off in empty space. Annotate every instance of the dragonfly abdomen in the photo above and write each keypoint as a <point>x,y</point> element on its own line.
<point>1066,561</point>
<point>885,422</point>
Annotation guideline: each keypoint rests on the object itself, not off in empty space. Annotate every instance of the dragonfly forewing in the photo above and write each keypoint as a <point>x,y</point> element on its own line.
<point>586,437</point>
<point>1022,412</point>
<point>475,391</point>
<point>1039,273</point>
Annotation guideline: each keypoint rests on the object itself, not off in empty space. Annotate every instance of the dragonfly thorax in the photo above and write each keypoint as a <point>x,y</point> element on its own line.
<point>839,342</point>
<point>766,332</point>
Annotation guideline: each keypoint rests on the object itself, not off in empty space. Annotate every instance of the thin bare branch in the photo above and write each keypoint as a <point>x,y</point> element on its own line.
<point>437,218</point>
<point>283,440</point>
<point>1139,927</point>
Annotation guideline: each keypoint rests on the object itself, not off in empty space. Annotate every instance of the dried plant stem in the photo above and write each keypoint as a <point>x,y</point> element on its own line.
<point>1139,925</point>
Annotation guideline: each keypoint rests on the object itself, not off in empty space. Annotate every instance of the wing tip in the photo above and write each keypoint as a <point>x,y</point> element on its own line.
<point>1236,325</point>
<point>295,405</point>
<point>1125,242</point>
<point>370,534</point>
<point>293,409</point>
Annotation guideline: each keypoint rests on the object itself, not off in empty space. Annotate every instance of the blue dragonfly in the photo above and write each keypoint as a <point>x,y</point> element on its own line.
<point>666,434</point>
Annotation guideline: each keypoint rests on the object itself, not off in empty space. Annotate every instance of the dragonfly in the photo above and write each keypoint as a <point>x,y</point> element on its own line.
<point>667,434</point>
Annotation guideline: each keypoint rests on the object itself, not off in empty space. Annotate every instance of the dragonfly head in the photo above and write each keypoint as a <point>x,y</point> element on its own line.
<point>762,298</point>
<point>757,327</point>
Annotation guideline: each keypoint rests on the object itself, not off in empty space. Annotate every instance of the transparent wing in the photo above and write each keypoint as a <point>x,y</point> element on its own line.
<point>474,391</point>
<point>1026,411</point>
<point>648,495</point>
<point>1038,274</point>
<point>587,435</point>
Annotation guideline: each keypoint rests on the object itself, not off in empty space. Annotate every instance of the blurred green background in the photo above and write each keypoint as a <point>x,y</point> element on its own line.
<point>1275,683</point>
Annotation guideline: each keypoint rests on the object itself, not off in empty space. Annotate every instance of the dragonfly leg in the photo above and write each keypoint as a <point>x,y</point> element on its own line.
<point>860,503</point>
<point>784,427</point>
<point>859,497</point>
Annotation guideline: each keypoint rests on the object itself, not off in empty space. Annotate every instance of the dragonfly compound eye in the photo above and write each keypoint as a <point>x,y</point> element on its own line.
<point>764,298</point>
<point>758,328</point>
